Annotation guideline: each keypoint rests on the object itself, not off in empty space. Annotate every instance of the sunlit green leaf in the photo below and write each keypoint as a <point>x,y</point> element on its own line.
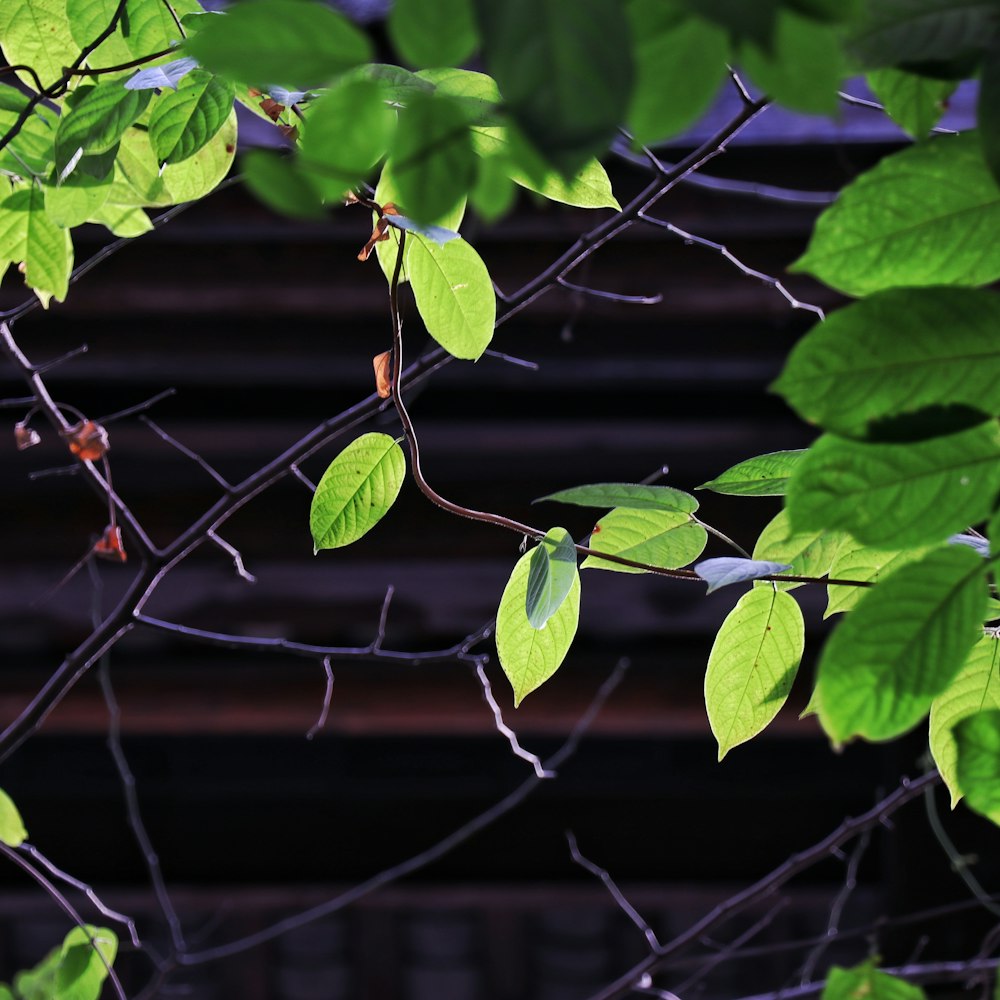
<point>530,656</point>
<point>913,102</point>
<point>763,476</point>
<point>48,50</point>
<point>122,220</point>
<point>901,646</point>
<point>977,687</point>
<point>31,150</point>
<point>977,738</point>
<point>664,538</point>
<point>924,216</point>
<point>74,971</point>
<point>454,295</point>
<point>69,205</point>
<point>807,553</point>
<point>184,120</point>
<point>196,176</point>
<point>356,491</point>
<point>98,120</point>
<point>865,982</point>
<point>12,831</point>
<point>28,235</point>
<point>551,574</point>
<point>855,561</point>
<point>898,495</point>
<point>727,570</point>
<point>752,665</point>
<point>433,32</point>
<point>634,496</point>
<point>896,352</point>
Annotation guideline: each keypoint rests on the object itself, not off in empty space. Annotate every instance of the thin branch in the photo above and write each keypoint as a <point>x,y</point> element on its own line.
<point>597,293</point>
<point>302,477</point>
<point>186,451</point>
<point>47,366</point>
<point>234,554</point>
<point>327,698</point>
<point>383,619</point>
<point>131,64</point>
<point>131,411</point>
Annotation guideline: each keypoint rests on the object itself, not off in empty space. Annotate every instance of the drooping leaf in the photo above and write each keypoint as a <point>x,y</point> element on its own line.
<point>356,491</point>
<point>763,476</point>
<point>924,216</point>
<point>898,495</point>
<point>169,75</point>
<point>279,184</point>
<point>551,574</point>
<point>895,352</point>
<point>12,831</point>
<point>530,656</point>
<point>683,56</point>
<point>290,42</point>
<point>913,102</point>
<point>28,235</point>
<point>454,295</point>
<point>565,70</point>
<point>975,689</point>
<point>808,553</point>
<point>48,50</point>
<point>977,738</point>
<point>752,665</point>
<point>726,570</point>
<point>865,982</point>
<point>433,32</point>
<point>184,120</point>
<point>855,561</point>
<point>901,646</point>
<point>97,122</point>
<point>664,538</point>
<point>632,495</point>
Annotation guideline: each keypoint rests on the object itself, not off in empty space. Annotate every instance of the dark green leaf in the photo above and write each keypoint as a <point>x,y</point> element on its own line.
<point>763,476</point>
<point>808,553</point>
<point>896,352</point>
<point>185,119</point>
<point>565,70</point>
<point>978,741</point>
<point>433,32</point>
<point>727,570</point>
<point>280,185</point>
<point>12,831</point>
<point>865,982</point>
<point>913,102</point>
<point>897,495</point>
<point>97,121</point>
<point>551,574</point>
<point>924,216</point>
<point>494,192</point>
<point>633,496</point>
<point>901,646</point>
<point>664,538</point>
<point>754,22</point>
<point>752,665</point>
<point>289,42</point>
<point>988,110</point>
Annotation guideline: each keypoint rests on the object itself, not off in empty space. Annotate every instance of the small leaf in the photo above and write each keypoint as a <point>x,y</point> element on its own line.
<point>726,570</point>
<point>185,119</point>
<point>977,687</point>
<point>12,831</point>
<point>901,646</point>
<point>752,665</point>
<point>633,496</point>
<point>913,102</point>
<point>97,121</point>
<point>382,363</point>
<point>530,656</point>
<point>356,491</point>
<point>454,295</point>
<point>977,738</point>
<point>433,32</point>
<point>763,476</point>
<point>855,561</point>
<point>551,574</point>
<point>664,538</point>
<point>808,553</point>
<point>161,77</point>
<point>865,982</point>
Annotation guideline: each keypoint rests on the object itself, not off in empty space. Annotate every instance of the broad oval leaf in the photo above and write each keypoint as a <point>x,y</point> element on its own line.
<point>976,688</point>
<point>97,122</point>
<point>356,491</point>
<point>24,42</point>
<point>896,352</point>
<point>184,120</point>
<point>454,295</point>
<point>86,954</point>
<point>530,656</point>
<point>726,570</point>
<point>122,220</point>
<point>664,538</point>
<point>807,553</point>
<point>12,831</point>
<point>635,496</point>
<point>763,476</point>
<point>913,102</point>
<point>868,982</point>
<point>855,561</point>
<point>28,235</point>
<point>433,32</point>
<point>196,176</point>
<point>753,663</point>
<point>898,495</point>
<point>977,739</point>
<point>551,573</point>
<point>901,646</point>
<point>924,216</point>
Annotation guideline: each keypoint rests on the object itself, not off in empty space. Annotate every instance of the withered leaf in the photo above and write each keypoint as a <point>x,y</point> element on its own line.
<point>383,373</point>
<point>109,546</point>
<point>87,440</point>
<point>25,437</point>
<point>378,234</point>
<point>271,108</point>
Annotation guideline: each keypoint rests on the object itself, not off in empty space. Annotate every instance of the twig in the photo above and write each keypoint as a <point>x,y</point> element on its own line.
<point>47,366</point>
<point>234,554</point>
<point>302,477</point>
<point>186,451</point>
<point>327,698</point>
<point>597,293</point>
<point>383,619</point>
<point>130,411</point>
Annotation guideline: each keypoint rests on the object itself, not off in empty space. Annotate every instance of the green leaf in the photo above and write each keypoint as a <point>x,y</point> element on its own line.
<point>752,665</point>
<point>803,67</point>
<point>741,20</point>
<point>196,176</point>
<point>664,538</point>
<point>290,42</point>
<point>896,352</point>
<point>684,57</point>
<point>988,110</point>
<point>977,738</point>
<point>924,216</point>
<point>898,495</point>
<point>356,491</point>
<point>913,102</point>
<point>727,570</point>
<point>633,496</point>
<point>454,295</point>
<point>432,160</point>
<point>565,70</point>
<point>865,982</point>
<point>807,553</point>
<point>31,150</point>
<point>27,234</point>
<point>494,193</point>
<point>74,971</point>
<point>147,26</point>
<point>122,220</point>
<point>551,574</point>
<point>97,122</point>
<point>901,646</point>
<point>72,204</point>
<point>763,476</point>
<point>36,33</point>
<point>184,120</point>
<point>279,184</point>
<point>975,689</point>
<point>433,32</point>
<point>476,93</point>
<point>855,561</point>
<point>12,831</point>
<point>530,656</point>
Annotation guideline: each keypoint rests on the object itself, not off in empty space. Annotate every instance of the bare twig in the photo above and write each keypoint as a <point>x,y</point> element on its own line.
<point>185,450</point>
<point>327,698</point>
<point>234,554</point>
